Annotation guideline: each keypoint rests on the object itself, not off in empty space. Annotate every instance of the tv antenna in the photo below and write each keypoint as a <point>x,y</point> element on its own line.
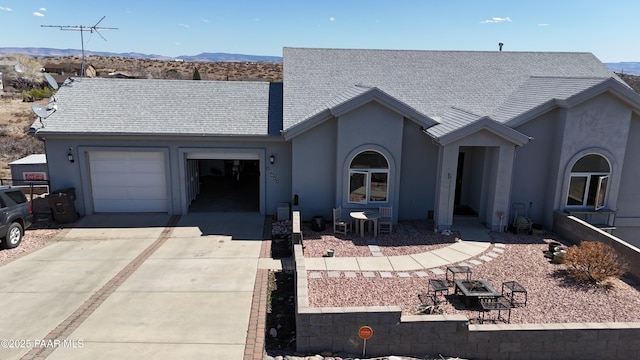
<point>82,29</point>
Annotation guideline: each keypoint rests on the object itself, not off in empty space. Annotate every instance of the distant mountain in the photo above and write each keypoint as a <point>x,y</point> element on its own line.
<point>205,57</point>
<point>632,68</point>
<point>212,57</point>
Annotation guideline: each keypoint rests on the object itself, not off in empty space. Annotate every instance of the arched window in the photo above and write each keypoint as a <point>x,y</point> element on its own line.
<point>369,178</point>
<point>588,183</point>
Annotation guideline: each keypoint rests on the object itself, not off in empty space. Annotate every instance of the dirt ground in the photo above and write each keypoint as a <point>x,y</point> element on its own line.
<point>16,118</point>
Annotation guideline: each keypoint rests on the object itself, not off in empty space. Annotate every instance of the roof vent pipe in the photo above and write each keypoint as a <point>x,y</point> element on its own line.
<point>500,46</point>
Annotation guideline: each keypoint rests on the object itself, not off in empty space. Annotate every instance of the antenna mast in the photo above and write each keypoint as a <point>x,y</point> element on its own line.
<point>82,29</point>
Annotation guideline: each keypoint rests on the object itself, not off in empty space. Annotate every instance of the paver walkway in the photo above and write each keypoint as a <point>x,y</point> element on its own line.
<point>474,241</point>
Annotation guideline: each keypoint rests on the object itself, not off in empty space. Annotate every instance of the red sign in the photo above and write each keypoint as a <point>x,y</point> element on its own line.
<point>365,332</point>
<point>35,176</point>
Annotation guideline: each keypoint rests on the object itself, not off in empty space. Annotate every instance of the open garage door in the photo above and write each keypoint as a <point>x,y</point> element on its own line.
<point>128,181</point>
<point>223,182</point>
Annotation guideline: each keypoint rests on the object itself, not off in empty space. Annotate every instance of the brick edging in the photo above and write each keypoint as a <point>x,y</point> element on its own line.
<point>255,343</point>
<point>73,321</point>
<point>254,348</point>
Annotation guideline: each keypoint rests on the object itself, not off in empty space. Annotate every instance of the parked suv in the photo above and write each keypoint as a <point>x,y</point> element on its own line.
<point>15,216</point>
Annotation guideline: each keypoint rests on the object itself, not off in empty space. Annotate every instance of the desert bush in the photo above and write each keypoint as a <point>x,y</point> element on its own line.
<point>36,94</point>
<point>594,262</point>
<point>16,147</point>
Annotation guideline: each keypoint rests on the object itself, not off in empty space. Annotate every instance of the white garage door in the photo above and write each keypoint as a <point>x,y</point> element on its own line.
<point>128,181</point>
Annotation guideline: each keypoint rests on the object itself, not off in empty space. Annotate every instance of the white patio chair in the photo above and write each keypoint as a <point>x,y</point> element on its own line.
<point>340,225</point>
<point>385,223</point>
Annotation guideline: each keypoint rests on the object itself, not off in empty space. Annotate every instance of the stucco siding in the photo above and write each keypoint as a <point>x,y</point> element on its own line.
<point>418,175</point>
<point>599,126</point>
<point>628,215</point>
<point>314,170</point>
<point>536,167</point>
<point>369,127</point>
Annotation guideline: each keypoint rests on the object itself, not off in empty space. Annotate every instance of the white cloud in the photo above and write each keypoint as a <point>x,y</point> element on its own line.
<point>332,18</point>
<point>43,9</point>
<point>2,8</point>
<point>186,26</point>
<point>38,14</point>
<point>496,20</point>
<point>543,25</point>
<point>206,21</point>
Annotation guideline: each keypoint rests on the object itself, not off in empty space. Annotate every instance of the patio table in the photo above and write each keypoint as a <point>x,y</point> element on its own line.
<point>472,289</point>
<point>510,288</point>
<point>362,217</point>
<point>492,305</point>
<point>437,286</point>
<point>460,269</point>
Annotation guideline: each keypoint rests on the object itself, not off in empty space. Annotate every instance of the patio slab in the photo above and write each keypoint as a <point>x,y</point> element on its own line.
<point>429,260</point>
<point>374,264</point>
<point>450,254</point>
<point>341,263</point>
<point>404,263</point>
<point>470,248</point>
<point>315,264</point>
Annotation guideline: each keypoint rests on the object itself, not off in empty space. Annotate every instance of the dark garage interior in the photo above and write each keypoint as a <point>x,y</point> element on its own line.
<point>227,185</point>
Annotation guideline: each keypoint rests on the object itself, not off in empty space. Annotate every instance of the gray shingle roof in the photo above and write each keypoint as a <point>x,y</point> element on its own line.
<point>452,120</point>
<point>429,81</point>
<point>177,107</point>
<point>538,90</point>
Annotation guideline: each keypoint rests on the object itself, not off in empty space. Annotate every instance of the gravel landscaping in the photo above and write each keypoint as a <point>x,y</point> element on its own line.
<point>552,297</point>
<point>37,236</point>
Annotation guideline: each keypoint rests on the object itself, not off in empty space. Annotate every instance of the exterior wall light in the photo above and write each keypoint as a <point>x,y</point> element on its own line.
<point>70,155</point>
<point>272,159</point>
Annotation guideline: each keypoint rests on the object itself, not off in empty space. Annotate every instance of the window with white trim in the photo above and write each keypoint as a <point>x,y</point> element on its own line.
<point>369,178</point>
<point>588,182</point>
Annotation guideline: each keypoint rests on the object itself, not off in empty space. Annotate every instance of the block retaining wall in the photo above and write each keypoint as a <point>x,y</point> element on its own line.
<point>576,230</point>
<point>336,330</point>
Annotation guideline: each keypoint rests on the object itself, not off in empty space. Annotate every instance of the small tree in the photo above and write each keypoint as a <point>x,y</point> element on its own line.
<point>31,75</point>
<point>196,74</point>
<point>173,74</point>
<point>594,261</point>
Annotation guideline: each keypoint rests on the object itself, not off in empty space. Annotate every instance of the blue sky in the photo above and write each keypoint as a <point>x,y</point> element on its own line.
<point>609,29</point>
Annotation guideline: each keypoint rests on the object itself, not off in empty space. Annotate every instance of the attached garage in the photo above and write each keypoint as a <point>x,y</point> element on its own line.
<point>128,181</point>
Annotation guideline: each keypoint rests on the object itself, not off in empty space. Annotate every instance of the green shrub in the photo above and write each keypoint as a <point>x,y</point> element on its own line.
<point>36,94</point>
<point>594,262</point>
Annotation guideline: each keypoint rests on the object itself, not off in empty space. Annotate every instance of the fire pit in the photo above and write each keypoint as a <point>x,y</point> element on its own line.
<point>472,289</point>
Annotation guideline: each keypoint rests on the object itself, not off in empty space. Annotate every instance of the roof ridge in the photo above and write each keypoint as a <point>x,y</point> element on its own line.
<point>570,77</point>
<point>437,51</point>
<point>466,111</point>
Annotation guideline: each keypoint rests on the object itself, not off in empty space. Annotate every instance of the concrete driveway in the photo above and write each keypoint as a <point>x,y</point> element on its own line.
<point>131,287</point>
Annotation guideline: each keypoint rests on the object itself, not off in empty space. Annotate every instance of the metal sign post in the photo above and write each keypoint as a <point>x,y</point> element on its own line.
<point>365,333</point>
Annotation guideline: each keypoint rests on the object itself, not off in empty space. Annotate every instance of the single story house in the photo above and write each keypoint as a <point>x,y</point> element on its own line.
<point>430,133</point>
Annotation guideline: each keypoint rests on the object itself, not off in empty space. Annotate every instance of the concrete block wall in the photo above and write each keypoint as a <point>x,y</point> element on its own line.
<point>320,329</point>
<point>576,230</point>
